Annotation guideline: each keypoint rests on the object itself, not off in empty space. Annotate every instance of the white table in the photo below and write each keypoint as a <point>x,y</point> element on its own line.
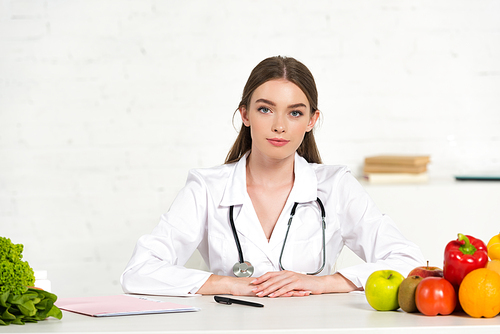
<point>332,313</point>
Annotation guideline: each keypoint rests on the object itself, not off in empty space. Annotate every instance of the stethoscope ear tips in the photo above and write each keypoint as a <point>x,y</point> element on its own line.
<point>244,269</point>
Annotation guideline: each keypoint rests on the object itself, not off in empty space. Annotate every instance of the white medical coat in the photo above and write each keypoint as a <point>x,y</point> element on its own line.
<point>199,219</point>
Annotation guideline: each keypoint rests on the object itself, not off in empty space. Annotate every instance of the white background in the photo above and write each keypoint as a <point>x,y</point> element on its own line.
<point>105,106</point>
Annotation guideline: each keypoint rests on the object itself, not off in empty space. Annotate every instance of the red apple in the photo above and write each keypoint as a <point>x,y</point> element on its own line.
<point>426,271</point>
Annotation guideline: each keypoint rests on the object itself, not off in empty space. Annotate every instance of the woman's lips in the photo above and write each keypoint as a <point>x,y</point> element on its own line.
<point>278,141</point>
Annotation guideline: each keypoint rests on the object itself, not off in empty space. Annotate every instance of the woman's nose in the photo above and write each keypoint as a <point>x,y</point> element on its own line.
<point>278,125</point>
<point>279,129</point>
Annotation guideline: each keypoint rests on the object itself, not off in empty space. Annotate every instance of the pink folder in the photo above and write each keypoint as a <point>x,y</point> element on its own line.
<point>107,306</point>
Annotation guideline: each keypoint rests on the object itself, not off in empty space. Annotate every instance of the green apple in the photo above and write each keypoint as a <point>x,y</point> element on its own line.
<point>381,289</point>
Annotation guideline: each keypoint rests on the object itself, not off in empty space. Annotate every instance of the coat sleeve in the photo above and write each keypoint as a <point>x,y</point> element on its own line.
<point>157,263</point>
<point>371,235</point>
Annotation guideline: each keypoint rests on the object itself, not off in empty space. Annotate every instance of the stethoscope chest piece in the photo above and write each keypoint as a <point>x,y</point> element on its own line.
<point>244,269</point>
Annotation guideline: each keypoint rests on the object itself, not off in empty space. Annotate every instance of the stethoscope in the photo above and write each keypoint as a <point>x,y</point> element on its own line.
<point>244,268</point>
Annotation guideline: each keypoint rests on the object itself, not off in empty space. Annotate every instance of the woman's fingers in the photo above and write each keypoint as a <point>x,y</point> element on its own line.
<point>265,277</point>
<point>294,293</point>
<point>281,284</point>
<point>270,282</point>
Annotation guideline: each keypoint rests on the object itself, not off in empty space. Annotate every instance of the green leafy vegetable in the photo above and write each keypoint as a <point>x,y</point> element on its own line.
<point>15,274</point>
<point>19,303</point>
<point>31,306</point>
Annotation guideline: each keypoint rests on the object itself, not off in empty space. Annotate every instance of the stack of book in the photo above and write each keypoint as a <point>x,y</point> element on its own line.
<point>396,169</point>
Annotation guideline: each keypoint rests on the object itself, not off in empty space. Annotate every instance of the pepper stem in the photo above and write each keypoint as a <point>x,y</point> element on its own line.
<point>467,247</point>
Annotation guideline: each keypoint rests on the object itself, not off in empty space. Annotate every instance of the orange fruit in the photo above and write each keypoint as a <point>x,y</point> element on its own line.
<point>494,247</point>
<point>494,265</point>
<point>479,293</point>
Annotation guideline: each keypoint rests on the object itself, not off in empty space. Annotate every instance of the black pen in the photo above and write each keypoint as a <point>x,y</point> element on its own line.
<point>229,301</point>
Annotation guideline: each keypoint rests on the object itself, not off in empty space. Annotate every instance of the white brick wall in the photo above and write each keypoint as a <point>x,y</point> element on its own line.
<point>105,105</point>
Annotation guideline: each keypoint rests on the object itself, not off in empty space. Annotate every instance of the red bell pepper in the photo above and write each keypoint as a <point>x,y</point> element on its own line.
<point>462,256</point>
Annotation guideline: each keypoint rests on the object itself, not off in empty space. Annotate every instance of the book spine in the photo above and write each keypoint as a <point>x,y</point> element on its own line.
<point>372,168</point>
<point>398,160</point>
<point>396,178</point>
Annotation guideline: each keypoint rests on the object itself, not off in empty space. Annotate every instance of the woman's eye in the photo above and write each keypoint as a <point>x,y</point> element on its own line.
<point>264,110</point>
<point>296,113</point>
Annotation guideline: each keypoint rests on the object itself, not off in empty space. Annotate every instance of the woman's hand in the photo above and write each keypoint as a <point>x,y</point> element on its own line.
<point>236,286</point>
<point>277,284</point>
<point>286,284</point>
<point>291,284</point>
<point>241,286</point>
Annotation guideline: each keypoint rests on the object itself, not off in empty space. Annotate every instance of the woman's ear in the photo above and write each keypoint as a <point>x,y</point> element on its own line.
<point>244,115</point>
<point>312,121</point>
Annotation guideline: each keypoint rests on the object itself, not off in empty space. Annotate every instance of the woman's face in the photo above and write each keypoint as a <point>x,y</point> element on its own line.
<point>278,116</point>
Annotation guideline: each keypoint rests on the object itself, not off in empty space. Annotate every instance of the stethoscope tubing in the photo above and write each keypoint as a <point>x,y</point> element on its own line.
<point>235,234</point>
<point>323,228</point>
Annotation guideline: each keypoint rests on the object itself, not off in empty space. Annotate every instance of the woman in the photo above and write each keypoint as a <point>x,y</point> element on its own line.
<point>240,212</point>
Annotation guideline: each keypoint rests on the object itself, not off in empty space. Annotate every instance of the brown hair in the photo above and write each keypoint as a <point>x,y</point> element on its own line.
<point>278,68</point>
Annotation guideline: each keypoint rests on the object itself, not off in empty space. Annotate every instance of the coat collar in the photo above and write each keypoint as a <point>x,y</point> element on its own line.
<point>305,187</point>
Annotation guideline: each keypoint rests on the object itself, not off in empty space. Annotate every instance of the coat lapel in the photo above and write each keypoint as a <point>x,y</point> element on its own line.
<point>236,186</point>
<point>245,218</point>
